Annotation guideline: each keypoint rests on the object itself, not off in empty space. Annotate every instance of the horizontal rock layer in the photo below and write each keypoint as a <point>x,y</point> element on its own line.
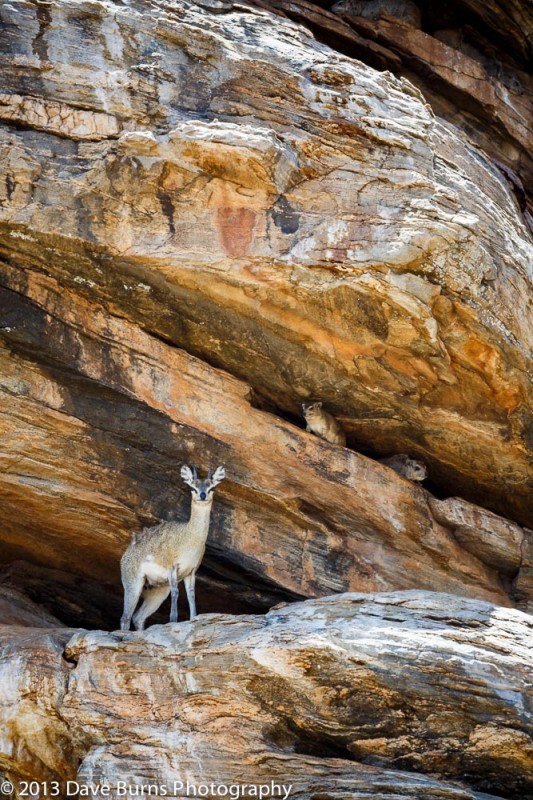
<point>327,237</point>
<point>326,695</point>
<point>463,57</point>
<point>306,515</point>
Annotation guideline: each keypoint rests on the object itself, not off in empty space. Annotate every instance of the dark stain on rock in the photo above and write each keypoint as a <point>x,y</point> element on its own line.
<point>10,186</point>
<point>357,311</point>
<point>44,18</point>
<point>167,206</point>
<point>285,217</point>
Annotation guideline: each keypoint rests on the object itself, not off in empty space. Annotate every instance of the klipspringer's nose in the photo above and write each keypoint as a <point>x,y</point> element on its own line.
<point>203,496</point>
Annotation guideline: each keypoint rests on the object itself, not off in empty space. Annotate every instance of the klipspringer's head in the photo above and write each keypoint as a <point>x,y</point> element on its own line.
<point>202,488</point>
<point>311,410</point>
<point>415,470</point>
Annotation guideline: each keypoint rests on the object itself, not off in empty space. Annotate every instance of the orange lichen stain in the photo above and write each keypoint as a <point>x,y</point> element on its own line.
<point>486,360</point>
<point>481,354</point>
<point>411,366</point>
<point>228,163</point>
<point>236,228</point>
<point>263,272</point>
<point>331,77</point>
<point>508,397</point>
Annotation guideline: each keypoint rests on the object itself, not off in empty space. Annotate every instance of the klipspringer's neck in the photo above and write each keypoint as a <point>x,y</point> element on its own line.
<point>200,513</point>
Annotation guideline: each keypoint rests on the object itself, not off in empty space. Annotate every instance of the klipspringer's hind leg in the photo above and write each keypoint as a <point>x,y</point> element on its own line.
<point>190,582</point>
<point>153,596</point>
<point>173,581</point>
<point>132,591</point>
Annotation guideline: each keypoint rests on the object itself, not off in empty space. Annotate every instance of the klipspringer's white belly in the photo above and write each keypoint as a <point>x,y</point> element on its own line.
<point>154,573</point>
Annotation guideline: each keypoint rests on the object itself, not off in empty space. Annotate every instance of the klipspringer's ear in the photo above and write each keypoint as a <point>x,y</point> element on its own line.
<point>220,474</point>
<point>319,404</point>
<point>187,475</point>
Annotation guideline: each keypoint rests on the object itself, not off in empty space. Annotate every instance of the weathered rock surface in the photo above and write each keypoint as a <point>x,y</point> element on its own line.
<point>35,743</point>
<point>327,695</point>
<point>496,541</point>
<point>209,216</point>
<point>471,60</point>
<point>523,586</point>
<point>305,515</point>
<point>466,86</point>
<point>327,238</point>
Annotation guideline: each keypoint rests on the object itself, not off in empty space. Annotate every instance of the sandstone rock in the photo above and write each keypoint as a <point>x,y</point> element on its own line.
<point>209,216</point>
<point>326,238</point>
<point>494,540</point>
<point>333,30</point>
<point>326,695</point>
<point>57,118</point>
<point>511,21</point>
<point>464,86</point>
<point>35,743</point>
<point>491,104</point>
<point>304,514</point>
<point>229,244</point>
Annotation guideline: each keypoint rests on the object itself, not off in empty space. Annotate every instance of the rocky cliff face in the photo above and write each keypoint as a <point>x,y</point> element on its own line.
<point>213,211</point>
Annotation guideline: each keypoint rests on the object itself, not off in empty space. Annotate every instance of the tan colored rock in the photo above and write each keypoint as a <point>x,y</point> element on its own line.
<point>431,682</point>
<point>35,743</point>
<point>491,101</point>
<point>329,238</point>
<point>208,217</point>
<point>309,516</point>
<point>496,541</point>
<point>509,110</point>
<point>57,118</point>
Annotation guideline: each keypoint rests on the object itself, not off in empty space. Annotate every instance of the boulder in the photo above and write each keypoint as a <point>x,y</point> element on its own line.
<point>349,695</point>
<point>496,541</point>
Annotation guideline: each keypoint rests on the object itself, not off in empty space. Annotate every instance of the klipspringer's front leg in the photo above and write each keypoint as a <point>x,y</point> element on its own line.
<point>173,580</point>
<point>133,587</point>
<point>190,582</point>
